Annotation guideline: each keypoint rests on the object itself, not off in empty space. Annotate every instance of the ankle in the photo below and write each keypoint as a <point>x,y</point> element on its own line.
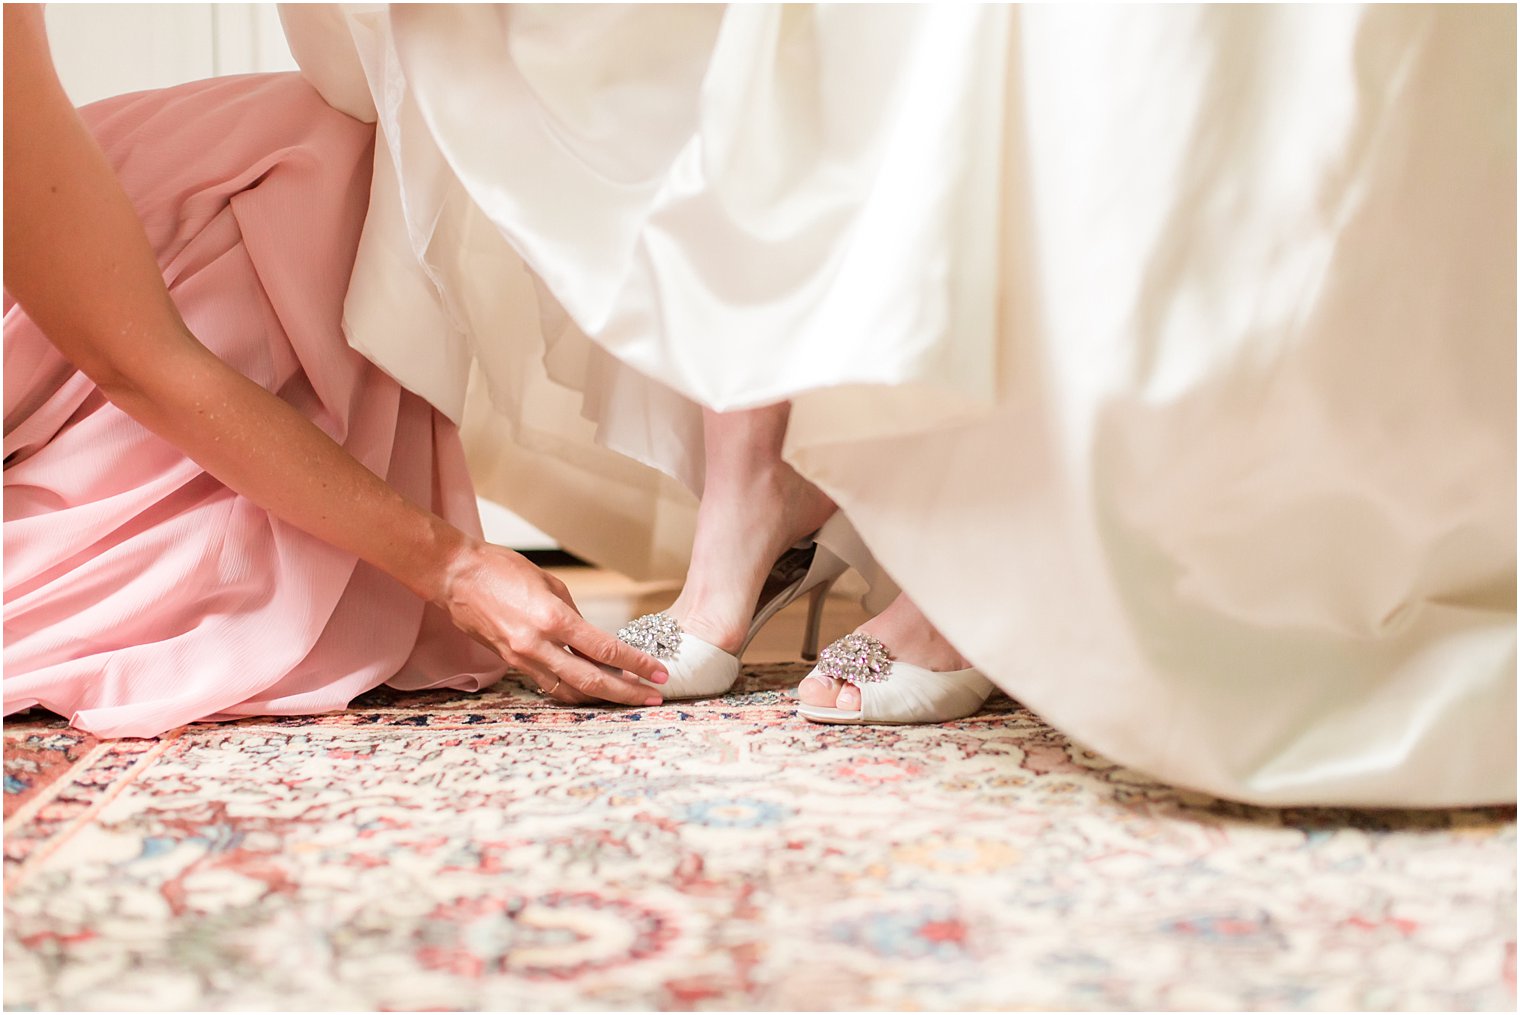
<point>720,623</point>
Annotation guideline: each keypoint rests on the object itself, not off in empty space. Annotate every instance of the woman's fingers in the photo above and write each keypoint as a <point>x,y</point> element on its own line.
<point>598,645</point>
<point>602,682</point>
<point>550,684</point>
<point>564,676</point>
<point>567,694</point>
<point>561,592</point>
<point>530,619</point>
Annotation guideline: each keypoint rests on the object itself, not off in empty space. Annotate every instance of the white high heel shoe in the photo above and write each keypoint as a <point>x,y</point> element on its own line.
<point>891,691</point>
<point>699,669</point>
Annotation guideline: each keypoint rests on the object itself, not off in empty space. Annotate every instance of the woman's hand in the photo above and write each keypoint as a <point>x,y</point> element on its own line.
<point>527,617</point>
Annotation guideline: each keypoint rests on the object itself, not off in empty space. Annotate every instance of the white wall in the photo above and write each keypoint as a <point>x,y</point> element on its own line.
<point>107,49</point>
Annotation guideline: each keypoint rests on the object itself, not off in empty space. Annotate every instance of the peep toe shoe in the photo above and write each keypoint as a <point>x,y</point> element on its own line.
<point>891,691</point>
<point>701,670</point>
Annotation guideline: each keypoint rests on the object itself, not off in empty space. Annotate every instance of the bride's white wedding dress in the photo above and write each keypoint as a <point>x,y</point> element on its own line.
<point>1166,356</point>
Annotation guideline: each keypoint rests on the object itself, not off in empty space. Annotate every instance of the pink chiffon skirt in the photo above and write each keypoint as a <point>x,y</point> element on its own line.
<point>141,593</point>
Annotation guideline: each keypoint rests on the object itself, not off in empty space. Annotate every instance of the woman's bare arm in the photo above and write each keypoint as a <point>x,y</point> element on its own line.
<point>77,259</point>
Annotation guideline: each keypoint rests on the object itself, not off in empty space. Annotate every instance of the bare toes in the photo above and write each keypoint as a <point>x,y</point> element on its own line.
<point>848,698</point>
<point>818,691</point>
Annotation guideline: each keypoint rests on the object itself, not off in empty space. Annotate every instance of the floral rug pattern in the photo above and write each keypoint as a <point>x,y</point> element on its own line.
<point>494,851</point>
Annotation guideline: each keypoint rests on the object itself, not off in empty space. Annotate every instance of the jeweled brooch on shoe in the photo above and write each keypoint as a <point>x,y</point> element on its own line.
<point>654,634</point>
<point>858,658</point>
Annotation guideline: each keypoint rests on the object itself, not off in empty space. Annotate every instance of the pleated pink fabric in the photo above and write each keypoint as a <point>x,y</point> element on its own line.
<point>141,593</point>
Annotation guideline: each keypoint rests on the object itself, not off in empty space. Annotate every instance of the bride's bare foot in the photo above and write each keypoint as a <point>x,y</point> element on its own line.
<point>753,507</point>
<point>908,636</point>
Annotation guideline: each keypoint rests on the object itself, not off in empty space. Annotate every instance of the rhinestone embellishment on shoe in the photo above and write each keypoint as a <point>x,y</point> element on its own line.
<point>654,634</point>
<point>858,658</point>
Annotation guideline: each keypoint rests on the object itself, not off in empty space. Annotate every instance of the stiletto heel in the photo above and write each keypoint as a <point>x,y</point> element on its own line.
<point>814,622</point>
<point>699,669</point>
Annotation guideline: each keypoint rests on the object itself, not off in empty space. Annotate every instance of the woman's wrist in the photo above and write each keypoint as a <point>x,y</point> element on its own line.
<point>451,554</point>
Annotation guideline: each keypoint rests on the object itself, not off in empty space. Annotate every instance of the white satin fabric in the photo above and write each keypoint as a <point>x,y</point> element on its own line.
<point>1166,356</point>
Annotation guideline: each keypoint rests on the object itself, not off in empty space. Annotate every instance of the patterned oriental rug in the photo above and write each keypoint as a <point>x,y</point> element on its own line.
<point>450,851</point>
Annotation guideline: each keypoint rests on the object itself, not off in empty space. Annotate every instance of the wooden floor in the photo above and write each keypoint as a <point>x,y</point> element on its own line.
<point>609,600</point>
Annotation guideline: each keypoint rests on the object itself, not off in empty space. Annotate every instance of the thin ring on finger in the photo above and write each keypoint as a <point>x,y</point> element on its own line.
<point>550,691</point>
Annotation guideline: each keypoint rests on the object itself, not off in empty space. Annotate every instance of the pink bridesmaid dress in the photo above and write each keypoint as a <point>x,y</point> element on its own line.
<point>141,593</point>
